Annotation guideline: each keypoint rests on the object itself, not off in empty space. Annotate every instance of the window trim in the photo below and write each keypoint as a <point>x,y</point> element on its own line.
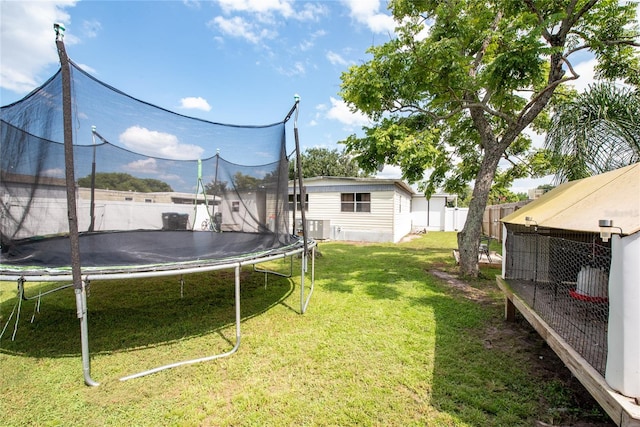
<point>357,203</point>
<point>298,208</point>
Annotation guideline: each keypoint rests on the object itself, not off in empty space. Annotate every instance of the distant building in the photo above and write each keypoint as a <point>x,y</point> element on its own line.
<point>370,209</point>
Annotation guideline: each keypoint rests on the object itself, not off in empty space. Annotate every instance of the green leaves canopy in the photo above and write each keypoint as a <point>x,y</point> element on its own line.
<point>463,78</point>
<point>595,132</point>
<point>125,182</point>
<point>326,162</point>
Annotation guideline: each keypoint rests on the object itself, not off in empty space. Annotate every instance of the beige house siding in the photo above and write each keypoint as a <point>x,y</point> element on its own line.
<point>388,221</point>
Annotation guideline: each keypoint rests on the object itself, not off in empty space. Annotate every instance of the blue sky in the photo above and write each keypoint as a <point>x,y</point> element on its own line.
<point>228,61</point>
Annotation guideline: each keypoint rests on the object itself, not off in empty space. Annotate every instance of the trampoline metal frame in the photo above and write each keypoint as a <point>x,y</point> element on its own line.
<point>82,307</point>
<point>79,279</point>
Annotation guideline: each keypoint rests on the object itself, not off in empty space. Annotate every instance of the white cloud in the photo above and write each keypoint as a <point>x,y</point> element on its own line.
<point>311,12</point>
<point>586,72</point>
<point>265,9</point>
<point>158,144</point>
<point>28,46</point>
<point>54,173</point>
<point>195,103</point>
<point>340,111</point>
<point>91,29</point>
<point>261,18</point>
<point>390,172</point>
<point>88,69</point>
<point>192,4</point>
<point>336,59</point>
<point>297,69</point>
<point>240,28</point>
<point>368,13</point>
<point>309,43</point>
<point>257,6</point>
<point>148,166</point>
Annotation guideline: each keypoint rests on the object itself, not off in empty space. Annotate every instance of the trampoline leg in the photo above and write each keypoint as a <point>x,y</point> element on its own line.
<point>207,358</point>
<point>81,307</point>
<point>237,293</point>
<point>305,302</point>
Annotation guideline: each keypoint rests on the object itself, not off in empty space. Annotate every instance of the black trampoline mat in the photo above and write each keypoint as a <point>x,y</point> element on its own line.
<point>142,248</point>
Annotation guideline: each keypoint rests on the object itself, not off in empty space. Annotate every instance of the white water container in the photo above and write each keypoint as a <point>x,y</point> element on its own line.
<point>623,355</point>
<point>592,282</point>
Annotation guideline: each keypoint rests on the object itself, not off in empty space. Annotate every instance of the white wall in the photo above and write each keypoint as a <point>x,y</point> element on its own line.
<point>401,216</point>
<point>454,218</point>
<point>433,215</point>
<point>623,370</point>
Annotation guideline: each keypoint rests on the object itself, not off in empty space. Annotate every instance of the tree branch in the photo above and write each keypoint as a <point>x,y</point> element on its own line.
<point>485,44</point>
<point>532,7</point>
<point>491,111</point>
<point>575,18</point>
<point>540,100</point>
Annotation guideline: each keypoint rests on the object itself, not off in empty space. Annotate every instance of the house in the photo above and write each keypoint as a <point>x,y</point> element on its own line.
<point>571,267</point>
<point>359,209</point>
<point>371,209</point>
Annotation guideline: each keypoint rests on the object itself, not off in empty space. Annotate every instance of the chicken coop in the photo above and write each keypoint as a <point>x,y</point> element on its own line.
<point>571,266</point>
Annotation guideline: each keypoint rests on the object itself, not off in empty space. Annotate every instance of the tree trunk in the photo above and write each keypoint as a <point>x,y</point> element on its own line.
<point>469,237</point>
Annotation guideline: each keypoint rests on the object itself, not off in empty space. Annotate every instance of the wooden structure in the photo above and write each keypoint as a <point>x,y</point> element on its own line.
<point>624,411</point>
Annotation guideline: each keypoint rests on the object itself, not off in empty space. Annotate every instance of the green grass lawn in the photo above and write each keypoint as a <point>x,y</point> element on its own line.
<point>383,342</point>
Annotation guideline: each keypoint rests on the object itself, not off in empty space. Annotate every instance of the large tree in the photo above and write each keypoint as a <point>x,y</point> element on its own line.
<point>326,162</point>
<point>595,132</point>
<point>124,182</point>
<point>454,91</point>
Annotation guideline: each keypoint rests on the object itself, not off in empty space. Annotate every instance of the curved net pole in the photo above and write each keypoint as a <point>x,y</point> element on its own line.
<point>74,241</point>
<point>92,208</point>
<point>303,302</point>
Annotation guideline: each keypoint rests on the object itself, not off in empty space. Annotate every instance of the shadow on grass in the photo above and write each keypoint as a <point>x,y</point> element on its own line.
<point>478,378</point>
<point>125,315</point>
<point>381,269</point>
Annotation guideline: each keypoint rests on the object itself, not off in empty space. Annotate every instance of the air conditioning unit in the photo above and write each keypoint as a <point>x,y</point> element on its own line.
<point>319,229</point>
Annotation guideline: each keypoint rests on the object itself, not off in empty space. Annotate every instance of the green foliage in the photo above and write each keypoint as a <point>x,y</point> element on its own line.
<point>125,182</point>
<point>595,132</point>
<point>454,91</point>
<point>215,187</point>
<point>246,182</point>
<point>325,162</point>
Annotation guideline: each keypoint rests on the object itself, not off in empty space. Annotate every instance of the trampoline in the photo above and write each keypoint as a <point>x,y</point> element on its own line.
<point>98,185</point>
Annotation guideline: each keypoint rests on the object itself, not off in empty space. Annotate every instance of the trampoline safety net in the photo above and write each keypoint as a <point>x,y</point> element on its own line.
<point>138,168</point>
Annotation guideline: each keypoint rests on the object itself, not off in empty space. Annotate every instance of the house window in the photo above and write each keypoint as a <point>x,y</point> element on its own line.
<point>355,202</point>
<point>235,206</point>
<point>298,208</point>
<point>148,200</point>
<point>128,199</point>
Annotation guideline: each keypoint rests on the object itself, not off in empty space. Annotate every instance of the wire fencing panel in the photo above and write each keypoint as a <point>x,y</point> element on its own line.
<point>563,277</point>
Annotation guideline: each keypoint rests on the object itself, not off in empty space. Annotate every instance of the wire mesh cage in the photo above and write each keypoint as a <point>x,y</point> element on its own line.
<point>563,276</point>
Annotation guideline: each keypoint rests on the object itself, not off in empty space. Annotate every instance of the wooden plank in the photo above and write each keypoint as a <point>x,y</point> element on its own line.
<point>622,410</point>
<point>509,310</point>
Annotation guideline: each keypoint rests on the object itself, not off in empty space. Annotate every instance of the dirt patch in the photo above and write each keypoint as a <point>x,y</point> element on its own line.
<point>467,290</point>
<point>410,237</point>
